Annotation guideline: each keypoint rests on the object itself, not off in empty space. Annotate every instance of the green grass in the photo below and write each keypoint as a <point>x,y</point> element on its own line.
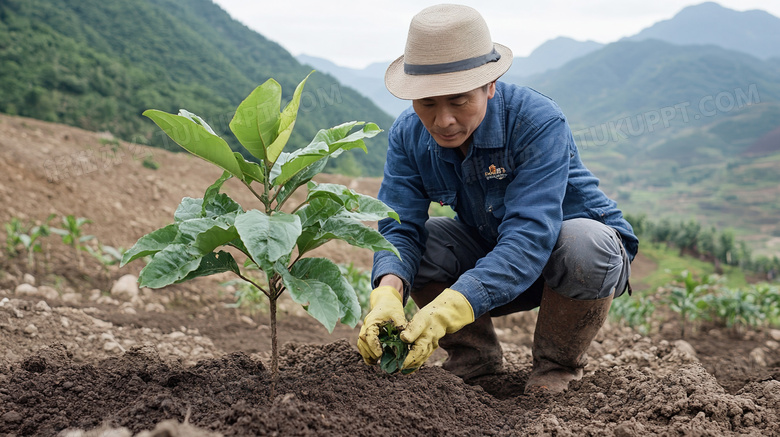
<point>670,264</point>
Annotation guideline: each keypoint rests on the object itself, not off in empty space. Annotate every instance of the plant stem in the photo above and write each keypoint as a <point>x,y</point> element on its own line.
<point>274,348</point>
<point>248,185</point>
<point>299,206</point>
<point>255,284</point>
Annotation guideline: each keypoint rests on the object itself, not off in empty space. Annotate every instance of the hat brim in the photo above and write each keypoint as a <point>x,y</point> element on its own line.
<point>413,87</point>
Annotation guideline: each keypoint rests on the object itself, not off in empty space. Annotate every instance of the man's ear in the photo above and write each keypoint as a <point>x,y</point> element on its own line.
<point>491,91</point>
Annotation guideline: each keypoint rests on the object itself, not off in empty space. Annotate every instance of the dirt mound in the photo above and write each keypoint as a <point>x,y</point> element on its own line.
<point>327,390</point>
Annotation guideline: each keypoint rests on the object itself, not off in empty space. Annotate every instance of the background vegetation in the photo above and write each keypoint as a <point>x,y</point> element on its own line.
<point>97,64</point>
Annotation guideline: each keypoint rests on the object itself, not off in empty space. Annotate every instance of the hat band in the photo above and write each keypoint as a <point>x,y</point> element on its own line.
<point>450,67</point>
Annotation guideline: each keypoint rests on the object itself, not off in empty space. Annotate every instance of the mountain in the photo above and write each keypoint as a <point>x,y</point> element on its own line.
<point>755,32</point>
<point>369,81</point>
<point>678,131</point>
<point>98,64</point>
<point>550,55</point>
<point>627,78</point>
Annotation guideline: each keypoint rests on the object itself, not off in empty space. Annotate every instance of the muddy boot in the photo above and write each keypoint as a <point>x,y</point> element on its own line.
<point>472,351</point>
<point>564,329</point>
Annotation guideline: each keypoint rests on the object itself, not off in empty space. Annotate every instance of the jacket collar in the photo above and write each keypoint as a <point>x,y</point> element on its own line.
<point>491,133</point>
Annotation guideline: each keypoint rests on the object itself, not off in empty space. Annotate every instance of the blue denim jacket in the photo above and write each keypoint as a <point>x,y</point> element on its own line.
<point>522,177</point>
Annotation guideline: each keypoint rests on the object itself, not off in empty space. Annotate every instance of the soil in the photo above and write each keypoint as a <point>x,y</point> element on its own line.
<point>79,360</point>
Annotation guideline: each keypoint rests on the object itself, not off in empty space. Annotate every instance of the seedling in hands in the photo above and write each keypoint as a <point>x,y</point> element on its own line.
<point>394,350</point>
<point>271,239</point>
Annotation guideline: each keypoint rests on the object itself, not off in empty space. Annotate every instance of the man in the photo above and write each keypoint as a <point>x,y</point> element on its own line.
<point>532,229</point>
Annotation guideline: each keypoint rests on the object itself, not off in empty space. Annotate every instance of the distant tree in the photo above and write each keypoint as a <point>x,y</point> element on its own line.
<point>725,249</point>
<point>687,236</point>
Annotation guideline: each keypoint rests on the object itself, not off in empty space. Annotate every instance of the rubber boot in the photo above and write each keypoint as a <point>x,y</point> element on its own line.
<point>474,350</point>
<point>564,330</point>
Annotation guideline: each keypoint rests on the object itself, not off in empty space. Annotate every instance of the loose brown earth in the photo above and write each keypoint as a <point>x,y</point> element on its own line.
<point>179,361</point>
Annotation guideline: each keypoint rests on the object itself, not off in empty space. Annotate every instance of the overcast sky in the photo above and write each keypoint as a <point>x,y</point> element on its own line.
<point>357,33</point>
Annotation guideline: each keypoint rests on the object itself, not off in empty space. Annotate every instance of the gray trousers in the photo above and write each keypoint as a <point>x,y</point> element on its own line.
<point>587,262</point>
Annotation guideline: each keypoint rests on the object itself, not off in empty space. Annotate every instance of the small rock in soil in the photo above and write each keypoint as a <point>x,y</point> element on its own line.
<point>48,293</point>
<point>125,287</point>
<point>26,289</point>
<point>43,306</point>
<point>31,330</point>
<point>12,417</point>
<point>28,279</point>
<point>686,347</point>
<point>758,357</point>
<point>71,298</point>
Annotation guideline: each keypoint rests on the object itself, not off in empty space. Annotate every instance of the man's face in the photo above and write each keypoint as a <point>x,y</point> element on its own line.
<point>451,119</point>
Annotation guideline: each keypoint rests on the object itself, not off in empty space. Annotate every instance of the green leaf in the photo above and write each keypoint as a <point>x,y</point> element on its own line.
<point>197,120</point>
<point>206,234</point>
<point>151,243</point>
<point>325,270</point>
<point>317,297</point>
<point>112,252</point>
<point>334,191</point>
<point>394,350</point>
<point>213,190</point>
<point>256,121</point>
<point>318,211</point>
<point>299,179</point>
<point>286,123</point>
<point>308,241</point>
<point>330,142</point>
<point>169,265</point>
<point>26,240</point>
<point>268,238</point>
<point>371,209</point>
<point>355,233</point>
<point>221,206</point>
<point>213,263</point>
<point>252,170</point>
<point>188,209</point>
<point>357,206</point>
<point>196,139</point>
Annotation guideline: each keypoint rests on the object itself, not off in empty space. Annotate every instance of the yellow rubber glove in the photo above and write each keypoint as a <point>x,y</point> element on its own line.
<point>448,313</point>
<point>386,306</point>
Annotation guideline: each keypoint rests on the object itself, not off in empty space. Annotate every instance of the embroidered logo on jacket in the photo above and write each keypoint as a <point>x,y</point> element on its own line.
<point>495,172</point>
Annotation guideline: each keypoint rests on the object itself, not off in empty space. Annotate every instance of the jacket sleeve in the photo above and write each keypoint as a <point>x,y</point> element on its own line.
<point>531,222</point>
<point>402,189</point>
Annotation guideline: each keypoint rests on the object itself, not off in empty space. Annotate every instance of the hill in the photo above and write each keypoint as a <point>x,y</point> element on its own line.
<point>678,131</point>
<point>98,64</point>
<point>369,81</point>
<point>628,78</point>
<point>754,32</point>
<point>548,56</point>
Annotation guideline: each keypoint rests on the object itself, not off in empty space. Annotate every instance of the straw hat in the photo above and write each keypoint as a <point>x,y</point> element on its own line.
<point>448,51</point>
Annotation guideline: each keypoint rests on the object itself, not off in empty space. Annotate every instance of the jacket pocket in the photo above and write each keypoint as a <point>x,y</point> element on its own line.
<point>598,214</point>
<point>445,197</point>
<point>495,198</point>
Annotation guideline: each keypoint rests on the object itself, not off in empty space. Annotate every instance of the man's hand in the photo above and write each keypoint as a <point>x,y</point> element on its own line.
<point>386,306</point>
<point>448,313</point>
